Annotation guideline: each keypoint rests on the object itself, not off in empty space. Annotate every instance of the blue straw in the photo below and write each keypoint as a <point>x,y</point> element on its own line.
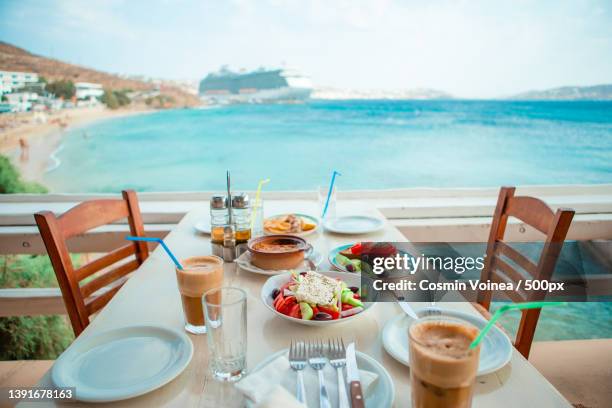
<point>329,193</point>
<point>159,241</point>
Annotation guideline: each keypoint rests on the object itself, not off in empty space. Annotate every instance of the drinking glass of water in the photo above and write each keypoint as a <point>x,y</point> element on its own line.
<point>331,207</point>
<point>226,327</point>
<point>258,219</point>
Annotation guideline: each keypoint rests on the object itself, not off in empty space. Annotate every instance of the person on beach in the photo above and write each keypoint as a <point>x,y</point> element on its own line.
<point>25,149</point>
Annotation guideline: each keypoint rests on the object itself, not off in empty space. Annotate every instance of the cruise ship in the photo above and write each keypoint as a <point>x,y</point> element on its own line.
<point>259,86</point>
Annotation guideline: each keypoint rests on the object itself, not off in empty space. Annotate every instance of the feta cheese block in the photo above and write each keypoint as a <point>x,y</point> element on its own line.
<point>317,289</point>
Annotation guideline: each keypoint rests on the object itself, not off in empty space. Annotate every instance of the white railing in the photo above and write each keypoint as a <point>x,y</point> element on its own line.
<point>421,214</point>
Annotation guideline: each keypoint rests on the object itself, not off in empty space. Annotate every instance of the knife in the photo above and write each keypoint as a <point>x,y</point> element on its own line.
<point>352,373</point>
<point>408,309</point>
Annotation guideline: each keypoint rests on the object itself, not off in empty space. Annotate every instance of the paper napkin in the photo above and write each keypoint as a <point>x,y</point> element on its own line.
<point>259,386</point>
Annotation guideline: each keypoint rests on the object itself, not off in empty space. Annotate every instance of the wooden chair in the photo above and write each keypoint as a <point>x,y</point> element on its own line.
<point>84,299</point>
<point>554,226</point>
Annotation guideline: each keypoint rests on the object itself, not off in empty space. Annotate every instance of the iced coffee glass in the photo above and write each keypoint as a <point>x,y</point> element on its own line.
<point>199,274</point>
<point>442,367</point>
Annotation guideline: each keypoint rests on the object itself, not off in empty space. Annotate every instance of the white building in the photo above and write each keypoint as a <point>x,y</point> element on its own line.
<point>88,90</point>
<point>21,101</point>
<point>12,81</point>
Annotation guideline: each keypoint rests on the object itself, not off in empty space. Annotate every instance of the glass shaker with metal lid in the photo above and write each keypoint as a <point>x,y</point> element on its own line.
<point>241,217</point>
<point>219,218</point>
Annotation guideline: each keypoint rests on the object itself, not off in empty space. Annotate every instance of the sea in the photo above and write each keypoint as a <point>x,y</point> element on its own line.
<point>373,144</point>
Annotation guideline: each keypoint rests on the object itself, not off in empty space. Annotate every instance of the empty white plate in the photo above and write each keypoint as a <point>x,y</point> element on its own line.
<point>203,227</point>
<point>495,350</point>
<point>123,363</point>
<point>353,224</point>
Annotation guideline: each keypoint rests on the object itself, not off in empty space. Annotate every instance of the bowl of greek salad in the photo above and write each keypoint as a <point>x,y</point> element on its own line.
<point>315,298</point>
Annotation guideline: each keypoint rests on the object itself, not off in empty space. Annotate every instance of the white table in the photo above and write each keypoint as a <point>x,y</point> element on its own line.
<point>151,297</point>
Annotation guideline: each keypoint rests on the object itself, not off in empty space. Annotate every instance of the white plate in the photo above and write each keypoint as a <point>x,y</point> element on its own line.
<point>311,263</point>
<point>309,218</point>
<point>384,391</point>
<point>353,224</point>
<point>332,257</point>
<point>495,350</point>
<point>123,363</point>
<point>276,281</point>
<point>203,227</point>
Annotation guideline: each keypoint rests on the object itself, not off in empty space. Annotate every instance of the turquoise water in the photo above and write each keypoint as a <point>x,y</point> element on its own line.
<point>587,320</point>
<point>374,144</point>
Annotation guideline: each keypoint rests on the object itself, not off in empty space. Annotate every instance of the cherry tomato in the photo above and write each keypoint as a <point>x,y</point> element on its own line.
<point>277,300</point>
<point>295,311</point>
<point>285,306</point>
<point>333,313</point>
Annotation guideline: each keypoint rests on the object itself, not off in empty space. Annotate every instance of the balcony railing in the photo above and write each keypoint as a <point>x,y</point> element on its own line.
<point>422,215</point>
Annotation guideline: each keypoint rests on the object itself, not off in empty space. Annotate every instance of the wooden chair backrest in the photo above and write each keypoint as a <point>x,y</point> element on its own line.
<point>554,225</point>
<point>84,299</point>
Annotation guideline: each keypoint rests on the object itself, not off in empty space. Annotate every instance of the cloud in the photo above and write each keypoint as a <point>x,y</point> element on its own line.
<point>469,48</point>
<point>103,17</point>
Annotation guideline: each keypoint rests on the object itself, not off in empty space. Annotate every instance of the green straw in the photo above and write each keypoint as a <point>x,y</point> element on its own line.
<point>513,306</point>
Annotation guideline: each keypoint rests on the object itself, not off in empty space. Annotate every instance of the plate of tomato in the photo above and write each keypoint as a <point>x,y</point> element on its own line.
<point>278,296</point>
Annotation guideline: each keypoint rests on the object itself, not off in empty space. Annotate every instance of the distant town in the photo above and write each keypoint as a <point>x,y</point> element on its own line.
<point>28,91</point>
<point>33,83</point>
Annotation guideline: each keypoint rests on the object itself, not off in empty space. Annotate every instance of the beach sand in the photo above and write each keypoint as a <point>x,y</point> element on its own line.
<point>44,138</point>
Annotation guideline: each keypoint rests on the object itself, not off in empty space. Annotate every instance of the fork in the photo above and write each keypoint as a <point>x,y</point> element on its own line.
<point>297,362</point>
<point>337,358</point>
<point>316,360</point>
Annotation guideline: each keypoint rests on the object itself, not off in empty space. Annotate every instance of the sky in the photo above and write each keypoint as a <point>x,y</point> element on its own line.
<point>473,49</point>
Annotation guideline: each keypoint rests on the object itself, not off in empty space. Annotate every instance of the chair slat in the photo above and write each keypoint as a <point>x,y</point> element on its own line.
<point>104,261</point>
<point>514,295</point>
<point>502,269</point>
<point>98,302</point>
<point>83,300</point>
<point>92,214</point>
<point>501,248</point>
<point>109,277</point>
<point>532,211</point>
<point>554,225</point>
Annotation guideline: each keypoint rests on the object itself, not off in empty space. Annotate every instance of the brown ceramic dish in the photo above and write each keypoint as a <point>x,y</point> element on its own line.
<point>278,252</point>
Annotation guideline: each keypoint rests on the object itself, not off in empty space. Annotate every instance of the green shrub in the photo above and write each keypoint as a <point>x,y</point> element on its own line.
<point>10,180</point>
<point>160,101</point>
<point>122,98</point>
<point>31,337</point>
<point>109,99</point>
<point>115,99</point>
<point>34,337</point>
<point>61,89</point>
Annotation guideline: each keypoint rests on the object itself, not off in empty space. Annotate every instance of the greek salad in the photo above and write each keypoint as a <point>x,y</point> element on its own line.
<point>313,296</point>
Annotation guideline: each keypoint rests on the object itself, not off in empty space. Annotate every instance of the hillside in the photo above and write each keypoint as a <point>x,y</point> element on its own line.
<point>596,92</point>
<point>17,59</point>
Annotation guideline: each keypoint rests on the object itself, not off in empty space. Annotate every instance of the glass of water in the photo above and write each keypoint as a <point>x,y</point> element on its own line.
<point>226,328</point>
<point>323,191</point>
<point>257,212</point>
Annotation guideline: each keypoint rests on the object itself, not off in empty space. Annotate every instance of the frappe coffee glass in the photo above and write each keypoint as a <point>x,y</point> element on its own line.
<point>199,274</point>
<point>442,366</point>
